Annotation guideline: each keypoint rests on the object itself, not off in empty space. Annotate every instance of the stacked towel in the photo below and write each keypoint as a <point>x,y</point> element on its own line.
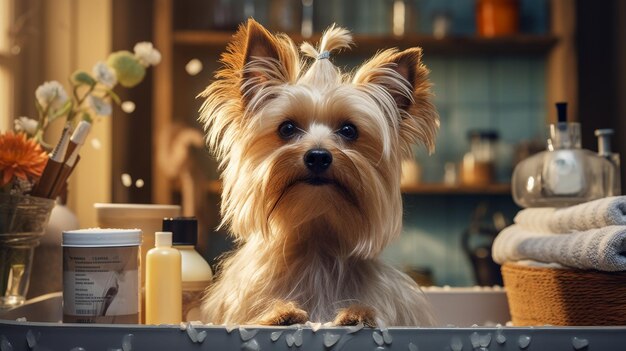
<point>602,249</point>
<point>586,236</point>
<point>589,215</point>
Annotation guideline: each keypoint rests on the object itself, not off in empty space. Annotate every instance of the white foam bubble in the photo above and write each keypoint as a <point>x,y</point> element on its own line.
<point>127,180</point>
<point>128,106</point>
<point>193,67</point>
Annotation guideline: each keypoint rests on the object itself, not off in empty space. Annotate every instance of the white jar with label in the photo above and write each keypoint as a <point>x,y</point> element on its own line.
<point>101,276</point>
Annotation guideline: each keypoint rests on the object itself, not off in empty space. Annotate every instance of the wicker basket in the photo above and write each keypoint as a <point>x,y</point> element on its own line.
<point>566,297</point>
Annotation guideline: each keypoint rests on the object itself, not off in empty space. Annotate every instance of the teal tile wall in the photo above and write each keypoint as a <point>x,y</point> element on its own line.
<point>502,93</point>
<point>506,94</point>
<point>433,225</point>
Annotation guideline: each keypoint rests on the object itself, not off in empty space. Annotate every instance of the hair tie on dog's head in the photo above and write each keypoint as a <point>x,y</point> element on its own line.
<point>324,55</point>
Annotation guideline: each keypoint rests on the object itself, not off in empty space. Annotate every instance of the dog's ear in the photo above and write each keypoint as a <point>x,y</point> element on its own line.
<point>267,59</point>
<point>404,78</point>
<point>254,60</point>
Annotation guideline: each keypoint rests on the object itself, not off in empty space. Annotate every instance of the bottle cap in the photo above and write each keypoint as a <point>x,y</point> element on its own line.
<point>184,230</point>
<point>163,239</point>
<point>604,141</point>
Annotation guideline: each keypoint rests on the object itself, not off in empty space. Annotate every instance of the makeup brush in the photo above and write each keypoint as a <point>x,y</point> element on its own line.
<point>71,159</point>
<point>50,173</point>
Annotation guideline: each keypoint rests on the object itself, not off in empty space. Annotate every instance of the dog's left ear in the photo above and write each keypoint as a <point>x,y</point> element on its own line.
<point>403,76</point>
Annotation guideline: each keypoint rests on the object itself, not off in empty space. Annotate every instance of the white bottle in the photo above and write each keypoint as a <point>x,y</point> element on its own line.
<point>196,272</point>
<point>163,282</point>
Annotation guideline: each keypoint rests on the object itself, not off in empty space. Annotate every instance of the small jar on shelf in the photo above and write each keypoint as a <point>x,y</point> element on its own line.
<point>497,17</point>
<point>478,165</point>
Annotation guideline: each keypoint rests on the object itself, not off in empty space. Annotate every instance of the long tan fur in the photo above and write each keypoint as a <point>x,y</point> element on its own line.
<point>313,247</point>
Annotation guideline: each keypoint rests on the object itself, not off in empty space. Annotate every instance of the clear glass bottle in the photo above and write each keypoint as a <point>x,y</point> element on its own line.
<point>565,174</point>
<point>604,150</point>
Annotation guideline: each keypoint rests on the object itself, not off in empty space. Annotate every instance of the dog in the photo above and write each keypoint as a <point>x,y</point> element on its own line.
<point>310,162</point>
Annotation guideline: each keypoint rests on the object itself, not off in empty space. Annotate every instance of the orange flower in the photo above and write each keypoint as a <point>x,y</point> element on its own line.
<point>20,157</point>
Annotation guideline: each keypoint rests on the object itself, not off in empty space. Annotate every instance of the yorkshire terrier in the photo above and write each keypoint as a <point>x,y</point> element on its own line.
<point>310,160</point>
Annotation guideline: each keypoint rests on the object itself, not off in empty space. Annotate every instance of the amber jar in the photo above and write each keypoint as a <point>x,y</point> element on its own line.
<point>497,17</point>
<point>478,165</point>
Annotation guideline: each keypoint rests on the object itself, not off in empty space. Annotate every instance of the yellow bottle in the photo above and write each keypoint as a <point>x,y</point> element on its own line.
<point>163,282</point>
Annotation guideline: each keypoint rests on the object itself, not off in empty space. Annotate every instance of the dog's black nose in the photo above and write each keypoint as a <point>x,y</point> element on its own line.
<point>318,160</point>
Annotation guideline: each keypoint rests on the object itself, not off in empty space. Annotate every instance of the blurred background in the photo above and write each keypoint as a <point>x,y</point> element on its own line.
<point>498,67</point>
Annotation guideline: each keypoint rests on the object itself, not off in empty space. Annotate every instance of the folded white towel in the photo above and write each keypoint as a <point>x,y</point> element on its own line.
<point>603,249</point>
<point>589,215</point>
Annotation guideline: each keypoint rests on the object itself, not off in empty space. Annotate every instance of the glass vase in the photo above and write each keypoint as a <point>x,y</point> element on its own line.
<point>23,220</point>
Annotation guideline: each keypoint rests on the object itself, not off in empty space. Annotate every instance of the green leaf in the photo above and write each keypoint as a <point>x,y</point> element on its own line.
<point>113,96</point>
<point>82,77</point>
<point>87,117</point>
<point>62,111</point>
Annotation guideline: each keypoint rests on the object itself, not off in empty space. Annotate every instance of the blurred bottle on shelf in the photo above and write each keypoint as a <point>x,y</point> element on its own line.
<point>478,166</point>
<point>604,150</point>
<point>398,19</point>
<point>450,174</point>
<point>403,17</point>
<point>307,19</point>
<point>285,16</point>
<point>411,173</point>
<point>477,241</point>
<point>497,17</point>
<point>442,24</point>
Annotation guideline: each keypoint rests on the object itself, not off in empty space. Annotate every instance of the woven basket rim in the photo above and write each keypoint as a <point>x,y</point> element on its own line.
<point>559,270</point>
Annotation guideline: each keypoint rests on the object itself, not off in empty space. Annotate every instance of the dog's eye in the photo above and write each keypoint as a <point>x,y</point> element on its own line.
<point>286,129</point>
<point>348,131</point>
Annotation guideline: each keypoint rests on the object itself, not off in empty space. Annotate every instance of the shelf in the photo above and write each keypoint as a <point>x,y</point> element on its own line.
<point>215,187</point>
<point>519,44</point>
<point>440,188</point>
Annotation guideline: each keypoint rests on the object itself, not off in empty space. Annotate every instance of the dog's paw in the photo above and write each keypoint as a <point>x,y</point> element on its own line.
<point>284,313</point>
<point>355,314</point>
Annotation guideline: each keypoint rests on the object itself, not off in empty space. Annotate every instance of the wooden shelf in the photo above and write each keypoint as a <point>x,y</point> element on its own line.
<point>518,44</point>
<point>215,187</point>
<point>440,188</point>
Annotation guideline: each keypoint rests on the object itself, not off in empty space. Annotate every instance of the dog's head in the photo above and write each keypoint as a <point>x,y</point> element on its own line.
<point>309,153</point>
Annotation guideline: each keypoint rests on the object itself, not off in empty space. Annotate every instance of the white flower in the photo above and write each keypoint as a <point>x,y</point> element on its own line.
<point>51,94</point>
<point>147,54</point>
<point>100,106</point>
<point>26,125</point>
<point>104,74</point>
